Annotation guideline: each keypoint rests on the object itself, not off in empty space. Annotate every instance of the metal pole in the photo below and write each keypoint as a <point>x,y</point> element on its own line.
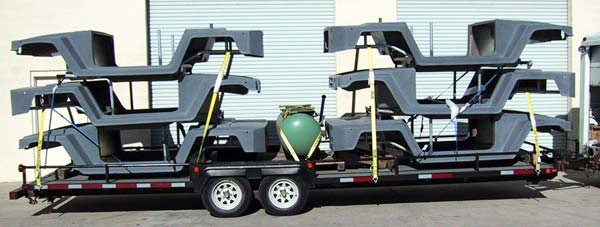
<point>229,63</point>
<point>584,100</point>
<point>159,43</point>
<point>353,103</point>
<point>164,145</point>
<point>430,134</point>
<point>178,130</point>
<point>356,56</point>
<point>454,86</point>
<point>430,39</point>
<point>34,120</point>
<point>131,95</point>
<point>321,112</point>
<point>478,86</point>
<point>106,173</point>
<point>70,114</point>
<point>412,127</point>
<point>112,98</point>
<point>36,113</point>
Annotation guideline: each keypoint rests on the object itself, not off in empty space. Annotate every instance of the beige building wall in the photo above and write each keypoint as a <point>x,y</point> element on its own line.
<point>126,20</point>
<point>583,17</point>
<point>353,12</point>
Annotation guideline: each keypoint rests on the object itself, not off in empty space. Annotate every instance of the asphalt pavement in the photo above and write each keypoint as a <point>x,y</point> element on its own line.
<point>571,199</point>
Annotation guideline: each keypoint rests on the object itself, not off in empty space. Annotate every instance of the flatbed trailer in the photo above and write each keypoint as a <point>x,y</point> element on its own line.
<point>227,188</point>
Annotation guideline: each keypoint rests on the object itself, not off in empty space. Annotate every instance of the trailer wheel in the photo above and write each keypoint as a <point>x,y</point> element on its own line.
<point>285,195</point>
<point>227,197</point>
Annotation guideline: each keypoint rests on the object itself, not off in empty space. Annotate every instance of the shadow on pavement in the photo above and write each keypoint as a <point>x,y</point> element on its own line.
<point>109,203</point>
<point>115,203</point>
<point>425,193</point>
<point>580,176</point>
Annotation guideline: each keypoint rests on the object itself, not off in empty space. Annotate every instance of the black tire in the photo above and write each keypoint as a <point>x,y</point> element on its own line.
<point>236,186</point>
<point>294,204</point>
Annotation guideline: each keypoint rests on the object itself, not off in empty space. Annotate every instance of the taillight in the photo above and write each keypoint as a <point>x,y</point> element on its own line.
<point>196,169</point>
<point>310,165</point>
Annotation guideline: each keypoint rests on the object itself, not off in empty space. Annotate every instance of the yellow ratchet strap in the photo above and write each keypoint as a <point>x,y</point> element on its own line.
<point>314,146</point>
<point>536,159</point>
<point>38,151</point>
<point>287,144</point>
<point>375,170</point>
<point>213,100</point>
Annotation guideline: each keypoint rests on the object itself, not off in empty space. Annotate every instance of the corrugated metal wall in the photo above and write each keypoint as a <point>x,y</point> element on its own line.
<point>450,19</point>
<point>294,70</point>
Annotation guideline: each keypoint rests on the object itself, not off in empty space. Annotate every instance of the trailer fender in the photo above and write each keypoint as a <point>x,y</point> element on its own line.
<point>200,174</point>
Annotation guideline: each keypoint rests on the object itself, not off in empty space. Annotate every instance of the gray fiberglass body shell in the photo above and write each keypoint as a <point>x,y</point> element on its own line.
<point>251,135</point>
<point>397,90</point>
<point>509,133</point>
<point>93,98</point>
<point>91,67</point>
<point>90,54</point>
<point>491,43</point>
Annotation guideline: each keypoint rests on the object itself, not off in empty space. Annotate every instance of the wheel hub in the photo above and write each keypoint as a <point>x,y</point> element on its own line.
<point>283,193</point>
<point>226,195</point>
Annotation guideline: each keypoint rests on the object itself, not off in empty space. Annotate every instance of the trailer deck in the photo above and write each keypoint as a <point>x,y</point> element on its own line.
<point>53,186</point>
<point>407,175</point>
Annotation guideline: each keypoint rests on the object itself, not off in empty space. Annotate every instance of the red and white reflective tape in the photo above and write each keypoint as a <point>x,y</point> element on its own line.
<point>420,177</point>
<point>517,172</point>
<point>507,172</point>
<point>356,179</point>
<point>109,186</point>
<point>435,176</point>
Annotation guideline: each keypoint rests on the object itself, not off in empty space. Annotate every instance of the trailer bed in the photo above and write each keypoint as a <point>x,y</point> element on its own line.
<point>408,175</point>
<point>52,186</point>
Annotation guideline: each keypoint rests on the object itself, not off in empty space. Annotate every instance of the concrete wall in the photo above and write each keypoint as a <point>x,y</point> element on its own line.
<point>126,20</point>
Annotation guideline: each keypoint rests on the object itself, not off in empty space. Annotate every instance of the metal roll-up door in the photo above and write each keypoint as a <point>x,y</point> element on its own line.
<point>450,20</point>
<point>294,70</point>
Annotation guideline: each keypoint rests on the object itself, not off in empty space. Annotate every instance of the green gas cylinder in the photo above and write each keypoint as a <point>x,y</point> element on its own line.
<point>301,131</point>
